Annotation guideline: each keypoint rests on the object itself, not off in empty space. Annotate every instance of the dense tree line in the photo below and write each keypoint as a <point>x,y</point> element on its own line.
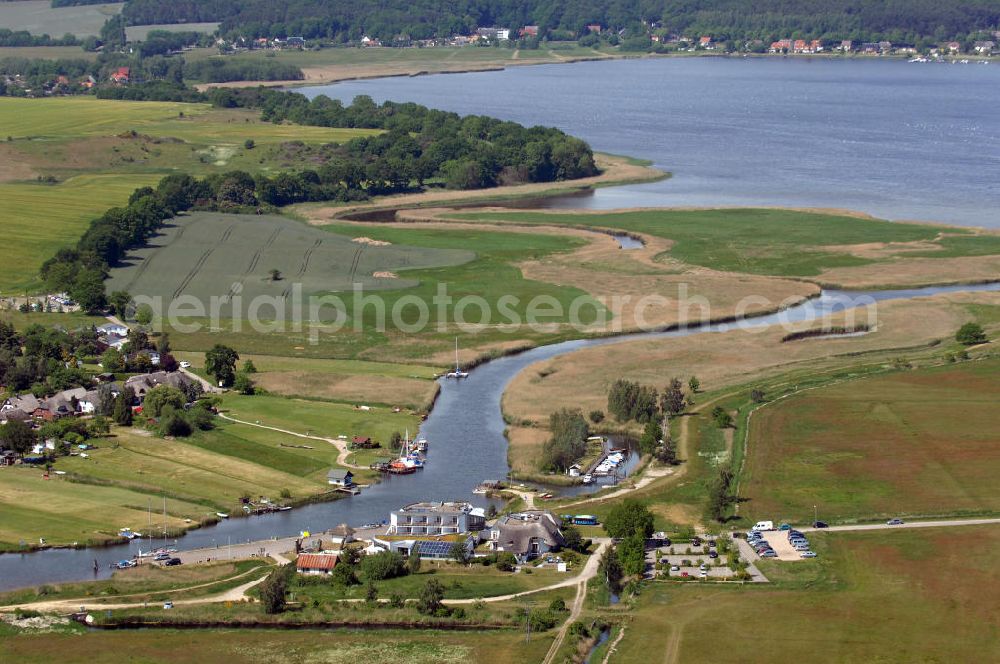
<point>10,37</point>
<point>223,70</point>
<point>347,20</point>
<point>568,439</point>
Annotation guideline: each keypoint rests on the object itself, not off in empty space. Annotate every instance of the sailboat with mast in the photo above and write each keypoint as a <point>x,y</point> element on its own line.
<point>457,373</point>
<point>409,460</point>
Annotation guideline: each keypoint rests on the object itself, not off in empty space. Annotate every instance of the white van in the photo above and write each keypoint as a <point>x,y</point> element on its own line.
<point>763,525</point>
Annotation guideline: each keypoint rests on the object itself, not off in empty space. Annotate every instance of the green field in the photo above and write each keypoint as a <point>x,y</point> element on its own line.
<point>140,32</point>
<point>97,163</point>
<point>920,442</point>
<point>204,254</point>
<point>198,123</point>
<point>760,241</point>
<point>130,472</point>
<point>40,18</point>
<point>47,53</point>
<point>277,646</point>
<point>38,219</point>
<point>904,596</point>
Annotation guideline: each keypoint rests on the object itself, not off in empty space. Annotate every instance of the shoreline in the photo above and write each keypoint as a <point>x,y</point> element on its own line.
<point>328,75</point>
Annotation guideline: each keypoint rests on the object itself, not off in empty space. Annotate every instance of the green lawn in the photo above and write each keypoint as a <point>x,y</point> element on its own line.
<point>237,646</point>
<point>759,241</point>
<point>129,474</point>
<point>903,596</point>
<point>40,17</point>
<point>918,442</point>
<point>38,219</point>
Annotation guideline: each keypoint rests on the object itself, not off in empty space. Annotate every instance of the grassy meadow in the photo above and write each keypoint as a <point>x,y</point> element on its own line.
<point>775,242</point>
<point>201,475</point>
<point>236,646</point>
<point>39,17</point>
<point>38,219</point>
<point>97,162</point>
<point>909,443</point>
<point>926,595</point>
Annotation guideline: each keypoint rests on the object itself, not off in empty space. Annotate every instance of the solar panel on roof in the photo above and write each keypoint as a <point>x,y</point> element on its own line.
<point>434,548</point>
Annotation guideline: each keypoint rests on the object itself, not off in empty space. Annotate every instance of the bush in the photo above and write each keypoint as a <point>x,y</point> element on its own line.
<point>382,566</point>
<point>970,334</point>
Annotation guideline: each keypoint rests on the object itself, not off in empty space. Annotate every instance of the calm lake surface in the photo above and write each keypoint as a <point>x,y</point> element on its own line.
<point>898,140</point>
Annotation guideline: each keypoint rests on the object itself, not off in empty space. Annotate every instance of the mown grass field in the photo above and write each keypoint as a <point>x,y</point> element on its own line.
<point>904,596</point>
<point>764,241</point>
<point>46,52</point>
<point>40,18</point>
<point>318,418</point>
<point>38,219</point>
<point>920,442</point>
<point>278,646</point>
<point>130,471</point>
<point>350,381</point>
<point>198,123</point>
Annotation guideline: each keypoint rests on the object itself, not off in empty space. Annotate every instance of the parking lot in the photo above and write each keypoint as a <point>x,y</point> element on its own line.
<point>784,544</point>
<point>687,560</point>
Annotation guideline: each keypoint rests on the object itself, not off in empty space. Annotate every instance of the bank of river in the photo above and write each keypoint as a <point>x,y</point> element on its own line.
<point>466,434</point>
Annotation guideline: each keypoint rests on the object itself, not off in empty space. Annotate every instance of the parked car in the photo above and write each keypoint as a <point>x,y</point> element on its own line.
<point>894,522</point>
<point>768,554</point>
<point>795,533</point>
<point>713,554</point>
<point>185,365</point>
<point>784,526</point>
<point>820,524</point>
<point>711,544</point>
<point>801,547</point>
<point>807,554</point>
<point>168,604</point>
<point>161,557</point>
<point>172,562</point>
<point>675,568</point>
<point>703,574</point>
<point>695,541</point>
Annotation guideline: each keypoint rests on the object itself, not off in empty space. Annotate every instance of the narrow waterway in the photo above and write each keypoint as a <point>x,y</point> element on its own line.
<point>467,446</point>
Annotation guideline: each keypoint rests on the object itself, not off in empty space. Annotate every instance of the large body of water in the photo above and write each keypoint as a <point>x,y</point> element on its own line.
<point>898,140</point>
<point>467,445</point>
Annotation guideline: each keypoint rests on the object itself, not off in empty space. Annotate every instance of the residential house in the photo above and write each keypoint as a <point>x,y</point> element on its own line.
<point>885,47</point>
<point>528,31</point>
<point>781,46</point>
<point>846,46</point>
<point>500,34</point>
<point>113,328</point>
<point>7,458</point>
<point>984,47</point>
<point>869,48</point>
<point>595,28</point>
<point>13,414</point>
<point>436,518</point>
<point>68,402</point>
<point>26,403</point>
<point>340,477</point>
<point>341,535</point>
<point>527,534</point>
<point>706,43</point>
<point>799,46</point>
<point>312,564</point>
<point>121,75</point>
<point>816,46</point>
<point>296,42</point>
<point>954,47</point>
<point>143,383</point>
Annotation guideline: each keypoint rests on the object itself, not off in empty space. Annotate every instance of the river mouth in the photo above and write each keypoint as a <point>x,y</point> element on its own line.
<point>468,445</point>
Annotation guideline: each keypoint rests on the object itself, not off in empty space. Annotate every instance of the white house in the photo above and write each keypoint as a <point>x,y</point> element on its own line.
<point>527,534</point>
<point>436,518</point>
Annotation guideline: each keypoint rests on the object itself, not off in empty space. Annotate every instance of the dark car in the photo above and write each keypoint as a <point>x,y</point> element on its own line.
<point>696,541</point>
<point>820,524</point>
<point>713,554</point>
<point>172,562</point>
<point>894,522</point>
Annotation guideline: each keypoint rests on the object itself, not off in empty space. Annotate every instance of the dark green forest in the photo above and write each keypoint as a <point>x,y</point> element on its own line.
<point>345,20</point>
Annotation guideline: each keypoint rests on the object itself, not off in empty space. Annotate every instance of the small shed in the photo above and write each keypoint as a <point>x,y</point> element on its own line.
<point>340,477</point>
<point>574,470</point>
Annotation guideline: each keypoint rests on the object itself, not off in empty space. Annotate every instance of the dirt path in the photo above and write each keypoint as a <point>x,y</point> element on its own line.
<point>942,523</point>
<point>341,445</point>
<point>527,496</point>
<point>614,645</point>
<point>589,572</point>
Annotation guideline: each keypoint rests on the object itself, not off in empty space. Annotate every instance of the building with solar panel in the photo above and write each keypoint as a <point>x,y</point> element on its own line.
<point>441,547</point>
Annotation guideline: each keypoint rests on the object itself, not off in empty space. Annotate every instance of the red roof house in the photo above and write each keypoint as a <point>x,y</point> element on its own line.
<point>315,563</point>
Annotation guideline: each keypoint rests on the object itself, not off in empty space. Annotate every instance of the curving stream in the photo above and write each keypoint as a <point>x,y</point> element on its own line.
<point>467,446</point>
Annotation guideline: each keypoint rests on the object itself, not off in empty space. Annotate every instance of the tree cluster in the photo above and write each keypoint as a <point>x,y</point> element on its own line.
<point>348,20</point>
<point>568,440</point>
<point>44,361</point>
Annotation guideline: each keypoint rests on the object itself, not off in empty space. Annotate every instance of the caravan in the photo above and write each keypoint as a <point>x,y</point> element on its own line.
<point>762,526</point>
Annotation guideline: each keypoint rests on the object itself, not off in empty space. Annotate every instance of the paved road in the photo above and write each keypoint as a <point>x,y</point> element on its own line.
<point>945,523</point>
<point>749,555</point>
